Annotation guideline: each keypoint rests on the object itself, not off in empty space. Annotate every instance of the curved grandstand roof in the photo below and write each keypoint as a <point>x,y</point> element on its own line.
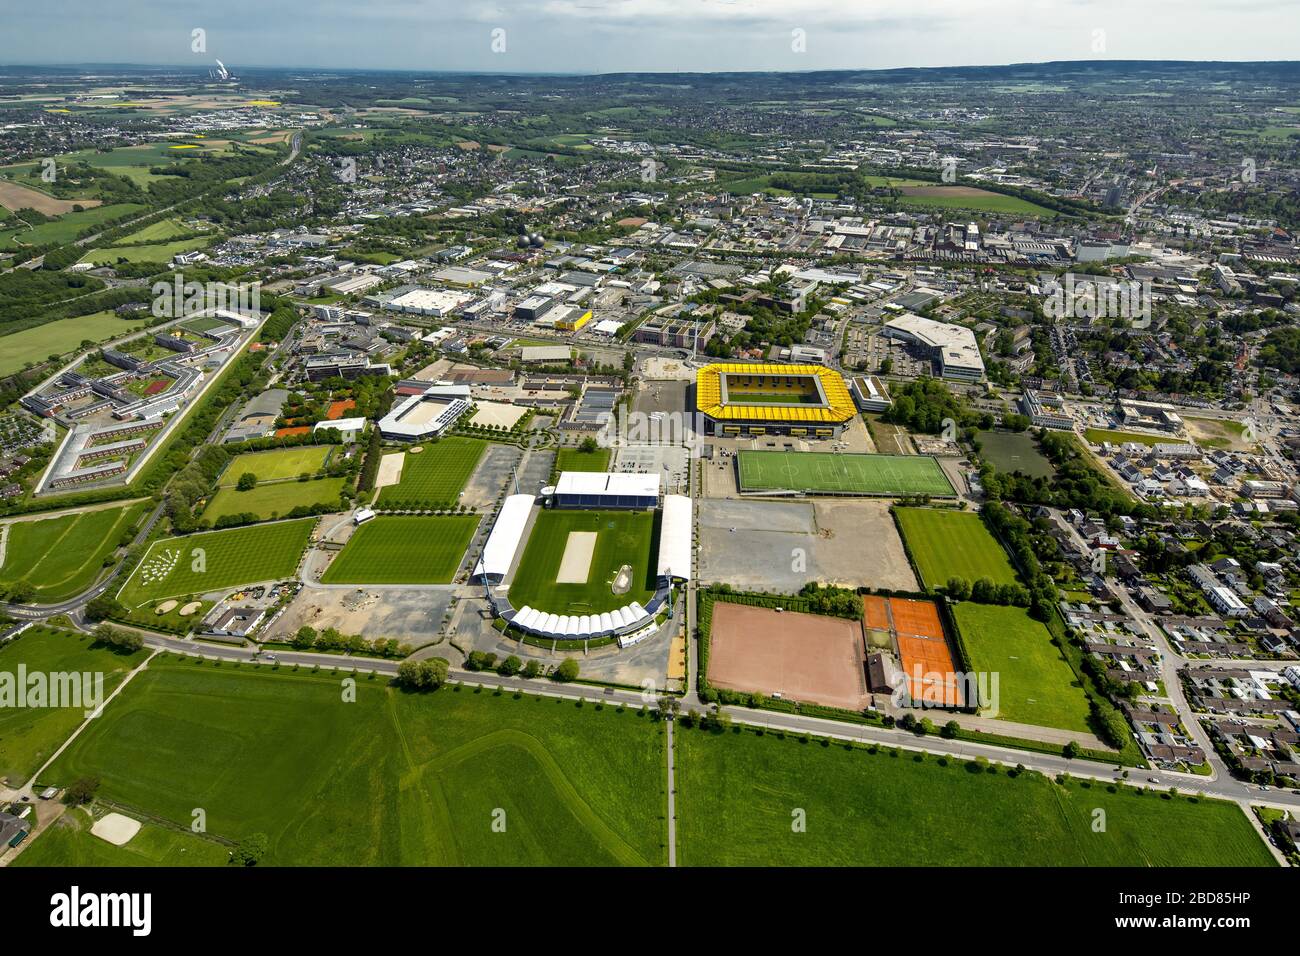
<point>675,538</point>
<point>709,394</point>
<point>506,534</point>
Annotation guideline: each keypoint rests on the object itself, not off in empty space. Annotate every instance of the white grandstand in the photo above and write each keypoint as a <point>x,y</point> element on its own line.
<point>425,415</point>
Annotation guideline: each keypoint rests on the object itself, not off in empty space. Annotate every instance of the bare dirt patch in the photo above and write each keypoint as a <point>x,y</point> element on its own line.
<point>575,566</point>
<point>390,469</point>
<point>803,657</point>
<point>115,829</point>
<point>14,197</point>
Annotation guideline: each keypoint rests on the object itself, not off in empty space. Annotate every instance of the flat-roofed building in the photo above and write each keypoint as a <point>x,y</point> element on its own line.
<point>598,489</point>
<point>952,346</point>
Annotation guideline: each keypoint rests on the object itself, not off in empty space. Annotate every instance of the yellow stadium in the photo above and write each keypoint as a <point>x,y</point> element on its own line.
<point>807,401</point>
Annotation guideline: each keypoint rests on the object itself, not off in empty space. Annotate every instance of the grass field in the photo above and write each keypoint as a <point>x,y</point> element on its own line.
<point>623,537</point>
<point>69,842</point>
<point>571,459</point>
<point>1014,451</point>
<point>276,465</point>
<point>435,476</point>
<point>30,735</point>
<point>737,792</point>
<point>828,472</point>
<point>404,549</point>
<point>67,227</point>
<point>164,230</point>
<point>157,252</point>
<point>1036,684</point>
<point>390,779</point>
<point>274,499</point>
<point>60,337</point>
<point>1098,435</point>
<point>213,560</point>
<point>61,557</point>
<point>948,544</point>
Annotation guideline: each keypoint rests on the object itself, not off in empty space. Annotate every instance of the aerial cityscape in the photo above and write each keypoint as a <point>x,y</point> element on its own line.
<point>650,461</point>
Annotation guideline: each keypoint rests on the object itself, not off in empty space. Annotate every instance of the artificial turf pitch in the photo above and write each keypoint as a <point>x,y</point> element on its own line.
<point>623,537</point>
<point>819,472</point>
<point>949,544</point>
<point>737,794</point>
<point>214,560</point>
<point>403,549</point>
<point>392,778</point>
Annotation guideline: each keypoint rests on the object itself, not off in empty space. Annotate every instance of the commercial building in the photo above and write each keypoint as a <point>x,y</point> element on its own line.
<point>871,394</point>
<point>807,401</point>
<point>952,346</point>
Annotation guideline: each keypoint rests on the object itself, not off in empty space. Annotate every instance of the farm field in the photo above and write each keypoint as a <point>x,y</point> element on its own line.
<point>30,735</point>
<point>61,557</point>
<point>171,568</point>
<point>435,476</point>
<point>1036,684</point>
<point>69,842</point>
<point>59,337</point>
<point>17,196</point>
<point>404,549</point>
<point>1014,451</point>
<point>948,544</point>
<point>831,473</point>
<point>276,465</point>
<point>274,499</point>
<point>391,779</point>
<point>161,252</point>
<point>970,197</point>
<point>736,791</point>
<point>622,537</point>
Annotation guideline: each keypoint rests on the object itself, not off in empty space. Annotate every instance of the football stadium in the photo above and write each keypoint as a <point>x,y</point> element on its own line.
<point>595,560</point>
<point>806,401</point>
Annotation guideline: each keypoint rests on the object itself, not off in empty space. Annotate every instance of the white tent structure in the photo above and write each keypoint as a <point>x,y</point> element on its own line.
<point>504,540</point>
<point>675,531</point>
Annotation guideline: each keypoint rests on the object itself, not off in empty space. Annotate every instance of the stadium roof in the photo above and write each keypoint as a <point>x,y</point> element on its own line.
<point>607,483</point>
<point>675,533</point>
<point>506,534</point>
<point>839,405</point>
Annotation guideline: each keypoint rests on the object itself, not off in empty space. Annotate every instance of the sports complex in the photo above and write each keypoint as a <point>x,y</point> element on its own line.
<point>596,559</point>
<point>806,401</point>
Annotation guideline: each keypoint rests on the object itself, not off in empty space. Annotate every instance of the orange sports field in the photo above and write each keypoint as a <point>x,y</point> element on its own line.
<point>926,657</point>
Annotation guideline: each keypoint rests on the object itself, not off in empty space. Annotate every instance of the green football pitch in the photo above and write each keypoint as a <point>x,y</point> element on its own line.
<point>821,472</point>
<point>61,557</point>
<point>404,549</point>
<point>434,477</point>
<point>276,465</point>
<point>953,544</point>
<point>1036,685</point>
<point>214,560</point>
<point>622,537</point>
<point>389,778</point>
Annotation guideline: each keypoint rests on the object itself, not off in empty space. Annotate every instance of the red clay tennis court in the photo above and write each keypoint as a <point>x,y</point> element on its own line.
<point>805,657</point>
<point>922,647</point>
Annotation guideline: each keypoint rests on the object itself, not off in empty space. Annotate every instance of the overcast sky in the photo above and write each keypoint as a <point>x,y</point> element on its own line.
<point>598,36</point>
